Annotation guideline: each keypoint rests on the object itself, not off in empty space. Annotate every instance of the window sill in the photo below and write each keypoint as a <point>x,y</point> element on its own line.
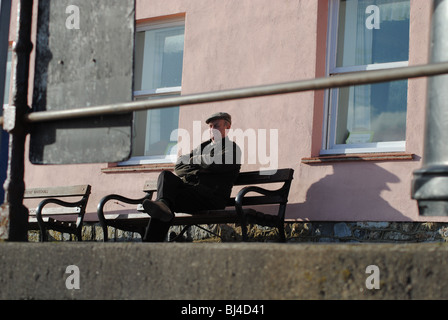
<point>139,168</point>
<point>359,157</point>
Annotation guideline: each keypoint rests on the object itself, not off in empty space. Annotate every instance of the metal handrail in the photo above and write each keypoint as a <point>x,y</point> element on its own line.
<point>355,78</point>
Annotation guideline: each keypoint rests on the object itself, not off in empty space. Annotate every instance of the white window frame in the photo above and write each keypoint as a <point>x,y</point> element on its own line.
<point>329,146</point>
<point>159,92</point>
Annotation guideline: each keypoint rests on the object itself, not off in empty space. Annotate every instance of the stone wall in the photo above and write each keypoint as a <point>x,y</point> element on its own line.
<point>381,232</point>
<point>299,232</point>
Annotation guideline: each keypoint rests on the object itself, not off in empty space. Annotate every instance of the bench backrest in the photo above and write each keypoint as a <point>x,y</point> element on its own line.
<point>262,177</point>
<point>259,178</point>
<point>57,192</point>
<point>253,178</point>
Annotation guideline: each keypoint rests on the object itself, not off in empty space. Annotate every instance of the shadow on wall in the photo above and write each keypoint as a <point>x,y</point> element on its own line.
<point>352,193</point>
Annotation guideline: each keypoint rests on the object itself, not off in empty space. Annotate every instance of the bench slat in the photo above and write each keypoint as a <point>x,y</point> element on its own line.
<point>56,211</point>
<point>205,217</point>
<point>69,191</point>
<point>244,178</point>
<point>150,185</point>
<point>254,177</point>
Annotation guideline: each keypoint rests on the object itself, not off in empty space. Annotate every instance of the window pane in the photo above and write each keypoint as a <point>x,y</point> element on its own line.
<point>153,129</point>
<point>372,113</point>
<point>159,58</point>
<point>158,65</point>
<point>362,42</point>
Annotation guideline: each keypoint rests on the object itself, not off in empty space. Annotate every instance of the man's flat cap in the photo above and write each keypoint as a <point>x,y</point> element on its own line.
<point>219,115</point>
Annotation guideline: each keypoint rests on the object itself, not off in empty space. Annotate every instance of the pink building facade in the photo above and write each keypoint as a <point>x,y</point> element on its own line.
<point>353,149</point>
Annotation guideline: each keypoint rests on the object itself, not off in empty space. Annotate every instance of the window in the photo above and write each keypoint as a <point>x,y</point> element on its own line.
<point>367,35</point>
<point>158,73</point>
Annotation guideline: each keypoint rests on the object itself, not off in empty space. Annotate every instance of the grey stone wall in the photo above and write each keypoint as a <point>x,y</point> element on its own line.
<point>223,271</point>
<point>376,232</point>
<point>299,232</point>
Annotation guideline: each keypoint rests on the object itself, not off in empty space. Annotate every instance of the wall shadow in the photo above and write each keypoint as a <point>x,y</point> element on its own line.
<point>353,192</point>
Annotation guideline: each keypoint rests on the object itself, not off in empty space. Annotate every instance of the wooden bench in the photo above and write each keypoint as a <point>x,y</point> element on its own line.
<point>45,218</point>
<point>240,209</point>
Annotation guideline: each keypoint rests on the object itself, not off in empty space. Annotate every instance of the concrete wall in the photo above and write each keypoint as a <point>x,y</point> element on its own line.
<point>231,272</point>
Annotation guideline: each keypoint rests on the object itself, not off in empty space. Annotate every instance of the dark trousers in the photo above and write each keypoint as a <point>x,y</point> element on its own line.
<point>181,197</point>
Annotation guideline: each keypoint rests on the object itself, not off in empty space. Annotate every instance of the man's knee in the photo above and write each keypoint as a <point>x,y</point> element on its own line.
<point>166,175</point>
<point>167,181</point>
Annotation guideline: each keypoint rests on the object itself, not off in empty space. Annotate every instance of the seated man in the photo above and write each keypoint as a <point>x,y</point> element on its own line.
<point>203,180</point>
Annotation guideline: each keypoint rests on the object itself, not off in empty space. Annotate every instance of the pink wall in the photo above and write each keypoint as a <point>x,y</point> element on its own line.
<point>238,43</point>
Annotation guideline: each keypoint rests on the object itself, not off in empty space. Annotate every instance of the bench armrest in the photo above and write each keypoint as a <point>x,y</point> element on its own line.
<point>242,193</point>
<point>102,203</point>
<point>239,199</point>
<point>81,203</point>
<point>278,196</point>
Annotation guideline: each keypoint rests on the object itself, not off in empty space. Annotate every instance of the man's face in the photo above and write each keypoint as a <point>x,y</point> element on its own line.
<point>218,129</point>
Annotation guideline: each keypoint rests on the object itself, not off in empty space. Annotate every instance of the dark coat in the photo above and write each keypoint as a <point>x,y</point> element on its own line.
<point>212,167</point>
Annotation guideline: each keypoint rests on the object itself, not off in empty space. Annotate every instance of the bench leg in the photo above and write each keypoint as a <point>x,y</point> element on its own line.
<point>281,223</point>
<point>244,229</point>
<point>281,231</point>
<point>209,231</point>
<point>43,235</point>
<point>185,229</point>
<point>105,236</point>
<point>79,235</point>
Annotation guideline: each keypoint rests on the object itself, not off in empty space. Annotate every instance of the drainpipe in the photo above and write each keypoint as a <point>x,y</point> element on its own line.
<point>430,184</point>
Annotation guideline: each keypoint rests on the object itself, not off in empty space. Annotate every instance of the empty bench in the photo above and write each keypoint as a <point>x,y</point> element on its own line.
<point>241,209</point>
<point>53,213</point>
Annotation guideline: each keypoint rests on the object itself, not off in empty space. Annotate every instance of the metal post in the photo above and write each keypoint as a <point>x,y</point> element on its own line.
<point>13,212</point>
<point>430,185</point>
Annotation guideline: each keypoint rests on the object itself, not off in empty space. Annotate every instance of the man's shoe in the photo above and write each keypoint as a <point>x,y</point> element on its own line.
<point>158,210</point>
